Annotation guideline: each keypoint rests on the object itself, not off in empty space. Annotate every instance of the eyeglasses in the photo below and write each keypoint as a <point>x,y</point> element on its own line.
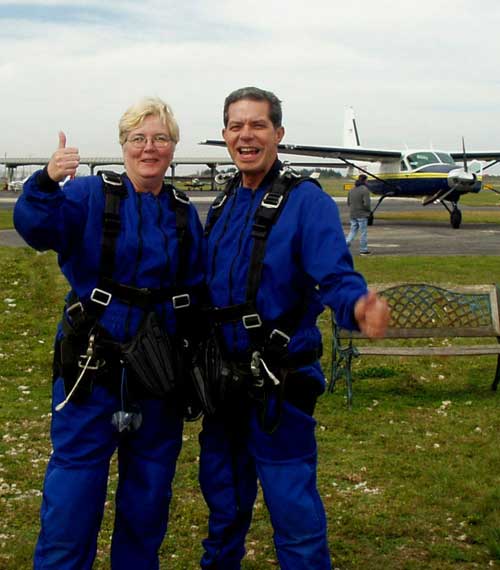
<point>140,141</point>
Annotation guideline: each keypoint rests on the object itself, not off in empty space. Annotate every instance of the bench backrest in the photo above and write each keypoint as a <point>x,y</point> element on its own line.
<point>421,310</point>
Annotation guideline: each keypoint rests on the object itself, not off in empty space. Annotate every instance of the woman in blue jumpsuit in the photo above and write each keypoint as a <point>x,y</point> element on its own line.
<point>69,220</point>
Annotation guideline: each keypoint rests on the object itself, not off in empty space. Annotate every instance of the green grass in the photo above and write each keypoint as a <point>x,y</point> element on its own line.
<point>409,476</point>
<point>6,222</point>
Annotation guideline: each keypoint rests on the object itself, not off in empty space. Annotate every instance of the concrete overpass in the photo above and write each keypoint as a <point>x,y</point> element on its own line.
<point>11,163</point>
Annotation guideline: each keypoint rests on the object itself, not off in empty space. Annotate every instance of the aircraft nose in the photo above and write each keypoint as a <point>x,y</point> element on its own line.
<point>459,178</point>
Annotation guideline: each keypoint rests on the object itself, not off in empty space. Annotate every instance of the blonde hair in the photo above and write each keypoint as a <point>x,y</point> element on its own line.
<point>149,106</point>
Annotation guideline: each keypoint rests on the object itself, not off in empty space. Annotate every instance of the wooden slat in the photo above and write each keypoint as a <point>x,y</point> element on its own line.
<point>429,350</point>
<point>393,332</point>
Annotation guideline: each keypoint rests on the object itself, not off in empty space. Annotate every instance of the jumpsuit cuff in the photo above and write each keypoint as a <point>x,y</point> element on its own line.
<point>45,182</point>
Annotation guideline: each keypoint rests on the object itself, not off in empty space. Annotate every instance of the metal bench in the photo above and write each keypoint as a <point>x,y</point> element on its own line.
<point>423,310</point>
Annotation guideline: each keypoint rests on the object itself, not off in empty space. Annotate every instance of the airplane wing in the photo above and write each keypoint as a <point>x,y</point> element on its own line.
<point>477,155</point>
<point>357,153</point>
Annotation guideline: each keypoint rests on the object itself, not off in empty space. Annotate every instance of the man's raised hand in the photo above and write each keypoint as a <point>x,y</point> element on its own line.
<point>372,314</point>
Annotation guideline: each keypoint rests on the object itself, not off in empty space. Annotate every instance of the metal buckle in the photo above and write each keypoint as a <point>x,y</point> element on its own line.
<point>281,334</point>
<point>105,297</point>
<point>216,204</point>
<point>181,301</point>
<point>72,308</point>
<point>271,204</point>
<point>83,358</point>
<point>180,197</point>
<point>252,321</point>
<point>110,180</point>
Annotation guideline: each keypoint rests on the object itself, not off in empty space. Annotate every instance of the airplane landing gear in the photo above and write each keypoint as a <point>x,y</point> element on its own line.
<point>455,218</point>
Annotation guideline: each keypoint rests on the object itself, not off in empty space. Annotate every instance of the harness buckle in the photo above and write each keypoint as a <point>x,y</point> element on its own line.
<point>252,321</point>
<point>111,180</point>
<point>101,297</point>
<point>271,200</point>
<point>82,363</point>
<point>219,202</point>
<point>276,334</point>
<point>181,301</point>
<point>180,196</point>
<point>72,309</point>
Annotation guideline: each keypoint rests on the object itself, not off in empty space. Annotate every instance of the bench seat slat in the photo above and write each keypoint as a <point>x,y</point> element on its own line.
<point>438,332</point>
<point>429,350</point>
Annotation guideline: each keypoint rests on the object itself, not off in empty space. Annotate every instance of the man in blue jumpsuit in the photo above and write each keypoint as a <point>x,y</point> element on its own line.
<point>87,430</point>
<point>306,265</point>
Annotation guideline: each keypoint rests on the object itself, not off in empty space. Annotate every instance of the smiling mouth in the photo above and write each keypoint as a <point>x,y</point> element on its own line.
<point>249,151</point>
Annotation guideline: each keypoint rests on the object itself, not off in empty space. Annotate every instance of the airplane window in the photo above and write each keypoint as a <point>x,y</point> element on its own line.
<point>445,158</point>
<point>403,165</point>
<point>418,159</point>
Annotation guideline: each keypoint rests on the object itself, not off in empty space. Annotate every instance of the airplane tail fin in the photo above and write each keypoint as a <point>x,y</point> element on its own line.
<point>351,135</point>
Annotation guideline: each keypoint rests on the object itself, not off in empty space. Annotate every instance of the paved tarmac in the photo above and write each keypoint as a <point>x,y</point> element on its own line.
<point>384,237</point>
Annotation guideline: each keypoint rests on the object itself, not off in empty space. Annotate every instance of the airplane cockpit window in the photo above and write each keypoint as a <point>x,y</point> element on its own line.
<point>403,165</point>
<point>445,158</point>
<point>418,159</point>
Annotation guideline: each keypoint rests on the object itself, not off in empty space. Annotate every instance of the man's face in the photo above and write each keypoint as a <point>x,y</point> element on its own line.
<point>252,139</point>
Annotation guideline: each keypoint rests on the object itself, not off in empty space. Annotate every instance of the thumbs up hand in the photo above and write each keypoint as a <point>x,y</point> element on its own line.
<point>64,161</point>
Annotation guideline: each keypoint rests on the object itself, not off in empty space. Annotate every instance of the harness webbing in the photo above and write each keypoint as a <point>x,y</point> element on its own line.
<point>115,191</point>
<point>265,217</point>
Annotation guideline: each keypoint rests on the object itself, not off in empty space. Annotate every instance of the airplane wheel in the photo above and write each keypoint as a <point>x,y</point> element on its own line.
<point>456,218</point>
<point>370,220</point>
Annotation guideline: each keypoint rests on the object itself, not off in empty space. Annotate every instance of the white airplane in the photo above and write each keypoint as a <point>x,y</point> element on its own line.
<point>429,174</point>
<point>17,185</point>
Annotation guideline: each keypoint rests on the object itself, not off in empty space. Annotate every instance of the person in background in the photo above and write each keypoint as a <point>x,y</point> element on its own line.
<point>358,201</point>
<point>276,256</point>
<point>130,248</point>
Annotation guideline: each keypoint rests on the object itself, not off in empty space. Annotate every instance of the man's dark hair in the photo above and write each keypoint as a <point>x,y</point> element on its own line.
<point>255,94</point>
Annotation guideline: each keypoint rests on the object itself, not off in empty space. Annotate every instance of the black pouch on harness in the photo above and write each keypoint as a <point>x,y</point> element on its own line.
<point>217,383</point>
<point>152,359</point>
<point>79,358</point>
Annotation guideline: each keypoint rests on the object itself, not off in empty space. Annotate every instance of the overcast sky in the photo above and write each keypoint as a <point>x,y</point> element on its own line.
<point>417,73</point>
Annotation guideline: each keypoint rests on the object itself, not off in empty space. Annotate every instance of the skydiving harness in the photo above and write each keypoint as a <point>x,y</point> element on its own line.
<point>85,345</point>
<point>268,357</point>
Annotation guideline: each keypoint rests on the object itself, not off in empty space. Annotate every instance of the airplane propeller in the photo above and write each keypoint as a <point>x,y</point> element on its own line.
<point>460,179</point>
<point>465,154</point>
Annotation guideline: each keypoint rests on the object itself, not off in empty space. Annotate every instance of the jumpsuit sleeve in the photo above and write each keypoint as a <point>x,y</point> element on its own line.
<point>49,217</point>
<point>326,257</point>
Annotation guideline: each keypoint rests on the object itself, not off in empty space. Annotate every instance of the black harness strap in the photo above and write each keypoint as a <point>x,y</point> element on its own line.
<point>265,217</point>
<point>107,288</point>
<point>115,192</point>
<point>180,203</point>
<point>220,202</point>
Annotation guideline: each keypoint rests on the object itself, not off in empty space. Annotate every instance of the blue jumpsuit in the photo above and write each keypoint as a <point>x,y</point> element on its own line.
<point>306,248</point>
<point>69,221</point>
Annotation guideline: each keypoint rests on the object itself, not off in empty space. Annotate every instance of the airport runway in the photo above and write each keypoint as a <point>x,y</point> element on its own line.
<point>384,237</point>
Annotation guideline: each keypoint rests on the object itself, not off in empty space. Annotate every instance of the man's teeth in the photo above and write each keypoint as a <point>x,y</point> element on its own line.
<point>248,150</point>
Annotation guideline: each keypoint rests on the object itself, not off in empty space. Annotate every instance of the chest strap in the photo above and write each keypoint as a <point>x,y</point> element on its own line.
<point>107,288</point>
<point>265,217</point>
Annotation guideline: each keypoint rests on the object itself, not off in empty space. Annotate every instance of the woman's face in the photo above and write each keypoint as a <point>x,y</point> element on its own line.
<point>148,152</point>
